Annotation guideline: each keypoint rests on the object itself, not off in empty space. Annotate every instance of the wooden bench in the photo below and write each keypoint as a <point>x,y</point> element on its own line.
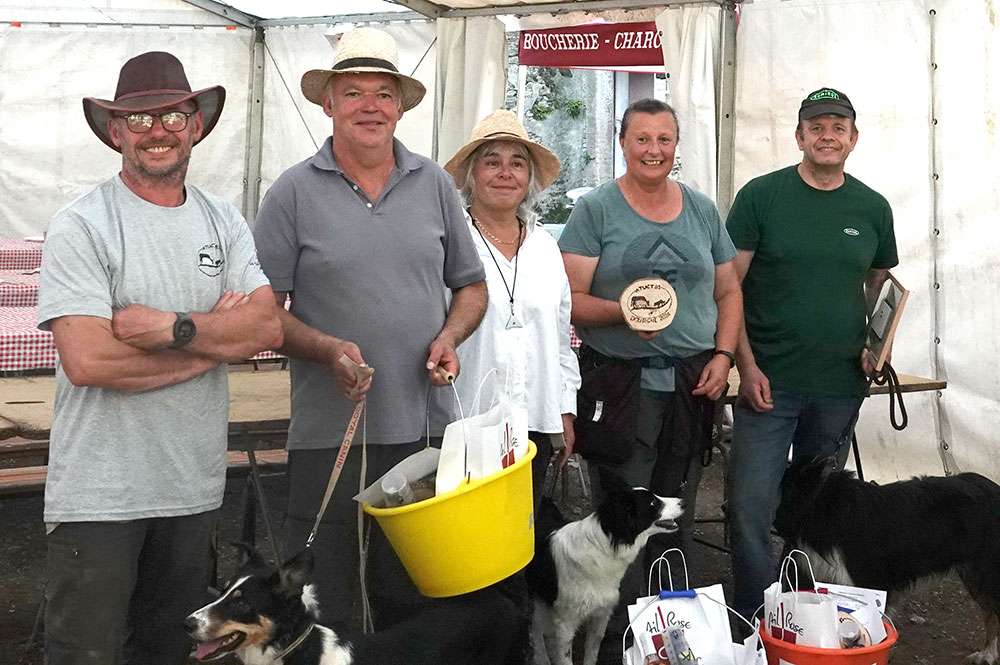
<point>31,479</point>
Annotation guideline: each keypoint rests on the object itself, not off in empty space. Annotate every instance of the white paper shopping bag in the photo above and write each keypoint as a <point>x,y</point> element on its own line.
<point>483,444</point>
<point>800,617</point>
<point>686,625</point>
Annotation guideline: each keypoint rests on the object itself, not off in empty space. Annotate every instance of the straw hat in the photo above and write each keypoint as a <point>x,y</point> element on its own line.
<point>148,82</point>
<point>504,126</point>
<point>364,50</point>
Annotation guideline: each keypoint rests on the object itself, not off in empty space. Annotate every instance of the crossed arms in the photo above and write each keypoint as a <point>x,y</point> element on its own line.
<point>130,352</point>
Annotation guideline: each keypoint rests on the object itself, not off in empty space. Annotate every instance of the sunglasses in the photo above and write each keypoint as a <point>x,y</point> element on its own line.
<point>172,121</point>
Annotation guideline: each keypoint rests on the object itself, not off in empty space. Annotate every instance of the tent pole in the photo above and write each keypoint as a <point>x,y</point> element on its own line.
<point>255,129</point>
<point>726,120</point>
<point>224,10</point>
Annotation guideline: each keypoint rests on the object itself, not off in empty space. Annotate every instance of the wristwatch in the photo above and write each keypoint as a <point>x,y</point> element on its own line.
<point>728,354</point>
<point>184,330</point>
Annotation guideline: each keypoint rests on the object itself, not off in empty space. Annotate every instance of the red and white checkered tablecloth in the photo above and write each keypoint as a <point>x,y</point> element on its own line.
<point>20,254</point>
<point>18,289</point>
<point>268,355</point>
<point>574,341</point>
<point>22,345</point>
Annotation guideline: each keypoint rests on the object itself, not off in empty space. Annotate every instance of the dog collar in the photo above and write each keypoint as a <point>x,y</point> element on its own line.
<point>297,643</point>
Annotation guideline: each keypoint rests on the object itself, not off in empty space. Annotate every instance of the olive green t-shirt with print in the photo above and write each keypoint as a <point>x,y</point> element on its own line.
<point>803,294</point>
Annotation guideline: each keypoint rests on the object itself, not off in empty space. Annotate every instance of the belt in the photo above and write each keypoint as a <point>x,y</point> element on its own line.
<point>652,362</point>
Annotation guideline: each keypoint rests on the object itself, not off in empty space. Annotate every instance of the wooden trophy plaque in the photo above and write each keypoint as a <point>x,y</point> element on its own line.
<point>649,304</point>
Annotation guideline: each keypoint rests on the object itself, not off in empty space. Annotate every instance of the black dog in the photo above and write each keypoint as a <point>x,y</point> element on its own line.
<point>268,616</point>
<point>889,536</point>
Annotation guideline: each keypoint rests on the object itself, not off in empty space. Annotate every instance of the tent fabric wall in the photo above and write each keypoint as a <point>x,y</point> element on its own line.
<point>49,154</point>
<point>879,53</point>
<point>294,128</point>
<point>690,43</point>
<point>471,78</point>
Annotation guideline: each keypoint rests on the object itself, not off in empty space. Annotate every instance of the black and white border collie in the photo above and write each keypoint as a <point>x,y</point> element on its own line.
<point>578,566</point>
<point>889,536</point>
<point>269,616</point>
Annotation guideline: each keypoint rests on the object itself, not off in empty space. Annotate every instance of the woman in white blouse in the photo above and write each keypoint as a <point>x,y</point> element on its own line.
<point>526,330</point>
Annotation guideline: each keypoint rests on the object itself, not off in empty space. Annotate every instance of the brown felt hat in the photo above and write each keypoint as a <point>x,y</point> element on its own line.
<point>148,82</point>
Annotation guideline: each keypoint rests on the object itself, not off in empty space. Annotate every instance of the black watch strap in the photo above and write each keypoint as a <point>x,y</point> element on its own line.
<point>728,354</point>
<point>184,330</point>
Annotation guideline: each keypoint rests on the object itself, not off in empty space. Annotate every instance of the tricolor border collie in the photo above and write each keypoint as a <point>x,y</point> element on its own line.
<point>269,616</point>
<point>889,536</point>
<point>578,566</point>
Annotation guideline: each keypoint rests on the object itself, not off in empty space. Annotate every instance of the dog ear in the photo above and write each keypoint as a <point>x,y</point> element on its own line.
<point>610,481</point>
<point>248,555</point>
<point>827,467</point>
<point>295,572</point>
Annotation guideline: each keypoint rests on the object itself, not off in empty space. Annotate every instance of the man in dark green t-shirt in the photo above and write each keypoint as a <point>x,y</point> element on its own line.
<point>814,246</point>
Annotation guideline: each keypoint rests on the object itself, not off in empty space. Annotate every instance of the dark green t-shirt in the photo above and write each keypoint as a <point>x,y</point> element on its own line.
<point>803,295</point>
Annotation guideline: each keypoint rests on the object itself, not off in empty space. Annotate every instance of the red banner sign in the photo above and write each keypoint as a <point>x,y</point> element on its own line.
<point>607,45</point>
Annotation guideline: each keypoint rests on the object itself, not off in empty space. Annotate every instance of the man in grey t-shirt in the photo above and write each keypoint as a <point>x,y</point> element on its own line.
<point>149,287</point>
<point>364,237</point>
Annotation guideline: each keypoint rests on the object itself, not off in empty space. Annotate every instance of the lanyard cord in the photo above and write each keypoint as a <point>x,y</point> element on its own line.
<point>520,235</point>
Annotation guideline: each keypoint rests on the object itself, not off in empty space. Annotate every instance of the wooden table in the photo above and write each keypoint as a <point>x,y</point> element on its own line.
<point>258,404</point>
<point>258,427</point>
<point>908,383</point>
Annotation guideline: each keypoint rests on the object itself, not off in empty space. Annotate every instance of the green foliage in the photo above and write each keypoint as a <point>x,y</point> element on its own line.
<point>551,95</point>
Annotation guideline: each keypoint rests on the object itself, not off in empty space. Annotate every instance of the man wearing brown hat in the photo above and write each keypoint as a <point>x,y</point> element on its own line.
<point>364,237</point>
<point>814,246</point>
<point>149,287</point>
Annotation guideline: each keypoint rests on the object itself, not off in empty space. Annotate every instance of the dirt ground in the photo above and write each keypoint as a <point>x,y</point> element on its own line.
<point>938,623</point>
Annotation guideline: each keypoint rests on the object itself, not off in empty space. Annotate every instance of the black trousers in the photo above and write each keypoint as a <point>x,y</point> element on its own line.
<point>336,562</point>
<point>118,592</point>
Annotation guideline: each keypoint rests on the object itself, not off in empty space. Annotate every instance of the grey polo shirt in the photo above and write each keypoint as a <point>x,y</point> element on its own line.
<point>370,271</point>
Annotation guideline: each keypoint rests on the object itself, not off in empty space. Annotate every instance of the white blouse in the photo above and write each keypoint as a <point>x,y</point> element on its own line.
<point>544,372</point>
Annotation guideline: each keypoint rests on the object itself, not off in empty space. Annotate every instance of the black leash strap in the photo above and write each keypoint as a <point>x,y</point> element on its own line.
<point>888,376</point>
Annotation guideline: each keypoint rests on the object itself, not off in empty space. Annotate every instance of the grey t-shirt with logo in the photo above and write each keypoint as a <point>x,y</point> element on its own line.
<point>121,456</point>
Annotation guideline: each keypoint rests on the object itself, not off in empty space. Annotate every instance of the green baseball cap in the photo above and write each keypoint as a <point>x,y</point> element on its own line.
<point>826,101</point>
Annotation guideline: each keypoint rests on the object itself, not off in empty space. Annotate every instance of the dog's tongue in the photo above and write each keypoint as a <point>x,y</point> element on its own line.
<point>206,649</point>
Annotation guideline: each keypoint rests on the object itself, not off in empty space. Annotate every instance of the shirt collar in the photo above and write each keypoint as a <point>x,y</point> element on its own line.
<point>325,160</point>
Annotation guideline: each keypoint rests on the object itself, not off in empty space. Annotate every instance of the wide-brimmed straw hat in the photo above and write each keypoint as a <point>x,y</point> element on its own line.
<point>504,126</point>
<point>148,82</point>
<point>364,50</point>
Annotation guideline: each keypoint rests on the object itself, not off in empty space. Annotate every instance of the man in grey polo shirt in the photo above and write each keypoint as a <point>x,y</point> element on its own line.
<point>364,236</point>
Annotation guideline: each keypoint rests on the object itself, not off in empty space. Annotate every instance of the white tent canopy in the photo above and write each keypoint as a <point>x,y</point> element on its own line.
<point>920,72</point>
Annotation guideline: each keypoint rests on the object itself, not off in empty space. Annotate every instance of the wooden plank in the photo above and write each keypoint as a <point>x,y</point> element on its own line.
<point>258,401</point>
<point>908,383</point>
<point>31,479</point>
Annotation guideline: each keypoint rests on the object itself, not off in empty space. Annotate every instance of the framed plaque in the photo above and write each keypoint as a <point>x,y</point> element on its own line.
<point>649,304</point>
<point>884,320</point>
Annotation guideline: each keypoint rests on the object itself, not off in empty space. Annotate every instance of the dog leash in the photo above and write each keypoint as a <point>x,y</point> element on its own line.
<point>888,376</point>
<point>362,373</point>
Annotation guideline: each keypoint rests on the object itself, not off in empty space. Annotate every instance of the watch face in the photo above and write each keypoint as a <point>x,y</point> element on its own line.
<point>185,329</point>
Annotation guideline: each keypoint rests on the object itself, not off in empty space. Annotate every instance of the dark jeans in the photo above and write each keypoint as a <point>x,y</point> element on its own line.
<point>336,571</point>
<point>118,592</point>
<point>658,464</point>
<point>812,427</point>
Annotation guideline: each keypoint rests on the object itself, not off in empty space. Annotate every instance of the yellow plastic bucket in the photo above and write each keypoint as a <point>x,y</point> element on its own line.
<point>468,538</point>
